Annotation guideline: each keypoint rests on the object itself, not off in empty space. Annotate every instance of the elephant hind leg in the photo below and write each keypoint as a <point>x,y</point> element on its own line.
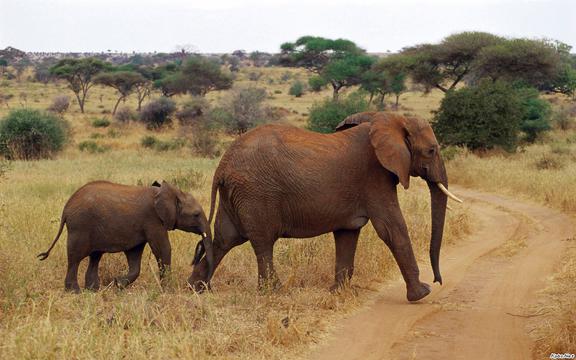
<point>346,241</point>
<point>134,257</point>
<point>78,249</point>
<point>92,281</point>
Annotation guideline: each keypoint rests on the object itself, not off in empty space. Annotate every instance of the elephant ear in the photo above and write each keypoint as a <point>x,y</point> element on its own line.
<point>166,205</point>
<point>355,119</point>
<point>388,136</point>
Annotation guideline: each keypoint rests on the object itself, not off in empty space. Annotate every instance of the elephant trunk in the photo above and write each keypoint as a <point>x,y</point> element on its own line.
<point>205,247</point>
<point>438,210</point>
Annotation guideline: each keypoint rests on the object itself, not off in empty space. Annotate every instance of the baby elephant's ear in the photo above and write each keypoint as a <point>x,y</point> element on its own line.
<point>165,204</point>
<point>388,135</point>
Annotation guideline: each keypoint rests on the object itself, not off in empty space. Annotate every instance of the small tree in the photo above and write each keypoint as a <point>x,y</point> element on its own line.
<point>316,83</point>
<point>124,82</point>
<point>30,134</point>
<point>480,117</point>
<point>324,116</point>
<point>80,74</point>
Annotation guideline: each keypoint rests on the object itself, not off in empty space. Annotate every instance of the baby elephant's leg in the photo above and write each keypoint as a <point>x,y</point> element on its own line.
<point>134,257</point>
<point>92,281</point>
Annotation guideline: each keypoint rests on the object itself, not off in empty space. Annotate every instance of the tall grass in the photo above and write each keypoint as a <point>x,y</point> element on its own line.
<point>39,320</point>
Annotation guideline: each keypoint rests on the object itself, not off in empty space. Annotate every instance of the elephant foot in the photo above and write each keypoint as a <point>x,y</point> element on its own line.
<point>340,287</point>
<point>73,289</point>
<point>418,292</point>
<point>92,287</point>
<point>121,283</point>
<point>198,286</point>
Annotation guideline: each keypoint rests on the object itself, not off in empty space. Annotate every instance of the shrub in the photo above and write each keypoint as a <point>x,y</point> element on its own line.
<point>158,113</point>
<point>451,152</point>
<point>562,118</point>
<point>100,123</point>
<point>254,75</point>
<point>148,141</point>
<point>287,75</point>
<point>4,167</point>
<point>60,104</point>
<point>316,83</point>
<point>205,143</point>
<point>151,142</point>
<point>536,114</point>
<point>297,89</point>
<point>242,110</point>
<point>193,111</point>
<point>92,147</point>
<point>480,117</point>
<point>277,91</point>
<point>125,114</point>
<point>324,116</point>
<point>30,134</point>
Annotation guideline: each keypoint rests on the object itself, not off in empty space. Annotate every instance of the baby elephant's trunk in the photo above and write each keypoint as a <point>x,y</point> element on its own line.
<point>204,247</point>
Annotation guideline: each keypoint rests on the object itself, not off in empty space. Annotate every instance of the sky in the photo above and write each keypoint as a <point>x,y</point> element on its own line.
<point>218,26</point>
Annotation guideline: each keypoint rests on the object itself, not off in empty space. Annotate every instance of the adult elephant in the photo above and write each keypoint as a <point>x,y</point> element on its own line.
<point>281,181</point>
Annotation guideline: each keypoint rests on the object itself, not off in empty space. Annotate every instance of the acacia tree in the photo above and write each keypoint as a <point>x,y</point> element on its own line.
<point>340,63</point>
<point>197,76</point>
<point>124,82</point>
<point>80,74</point>
<point>445,65</point>
<point>532,62</point>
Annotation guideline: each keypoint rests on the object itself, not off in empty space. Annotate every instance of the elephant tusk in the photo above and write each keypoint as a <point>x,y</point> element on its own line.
<point>204,235</point>
<point>448,193</point>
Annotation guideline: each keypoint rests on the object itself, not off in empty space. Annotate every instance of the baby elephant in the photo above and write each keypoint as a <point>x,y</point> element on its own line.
<point>103,217</point>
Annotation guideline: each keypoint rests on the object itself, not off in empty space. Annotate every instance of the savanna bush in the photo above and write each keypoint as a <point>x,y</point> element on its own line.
<point>193,111</point>
<point>28,134</point>
<point>563,119</point>
<point>92,147</point>
<point>316,83</point>
<point>536,114</point>
<point>152,142</point>
<point>482,117</point>
<point>325,115</point>
<point>158,113</point>
<point>242,110</point>
<point>297,89</point>
<point>125,114</point>
<point>60,104</point>
<point>205,142</point>
<point>100,123</point>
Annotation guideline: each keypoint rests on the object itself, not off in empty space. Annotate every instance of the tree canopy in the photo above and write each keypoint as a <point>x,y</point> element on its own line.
<point>124,82</point>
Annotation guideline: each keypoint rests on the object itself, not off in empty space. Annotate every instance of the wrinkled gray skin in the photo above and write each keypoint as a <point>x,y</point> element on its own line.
<point>103,217</point>
<point>281,181</point>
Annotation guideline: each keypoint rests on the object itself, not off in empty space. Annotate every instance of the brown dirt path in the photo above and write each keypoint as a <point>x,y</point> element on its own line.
<point>491,278</point>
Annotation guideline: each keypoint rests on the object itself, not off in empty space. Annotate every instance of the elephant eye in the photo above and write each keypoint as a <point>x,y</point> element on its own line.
<point>431,151</point>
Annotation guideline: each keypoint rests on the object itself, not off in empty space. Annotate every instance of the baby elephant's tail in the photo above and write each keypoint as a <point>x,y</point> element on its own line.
<point>44,255</point>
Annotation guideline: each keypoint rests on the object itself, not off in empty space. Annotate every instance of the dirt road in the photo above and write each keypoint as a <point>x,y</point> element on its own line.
<point>482,311</point>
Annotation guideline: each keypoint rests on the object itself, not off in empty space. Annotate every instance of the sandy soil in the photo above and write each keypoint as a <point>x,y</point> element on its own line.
<point>491,280</point>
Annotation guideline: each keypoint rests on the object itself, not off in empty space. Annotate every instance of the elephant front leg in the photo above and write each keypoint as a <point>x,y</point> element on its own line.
<point>346,241</point>
<point>395,234</point>
<point>264,250</point>
<point>162,252</point>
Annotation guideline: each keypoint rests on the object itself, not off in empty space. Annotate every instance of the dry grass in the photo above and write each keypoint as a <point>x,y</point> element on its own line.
<point>39,320</point>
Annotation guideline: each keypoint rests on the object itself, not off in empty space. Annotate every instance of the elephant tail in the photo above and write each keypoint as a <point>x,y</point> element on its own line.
<point>215,186</point>
<point>44,255</point>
